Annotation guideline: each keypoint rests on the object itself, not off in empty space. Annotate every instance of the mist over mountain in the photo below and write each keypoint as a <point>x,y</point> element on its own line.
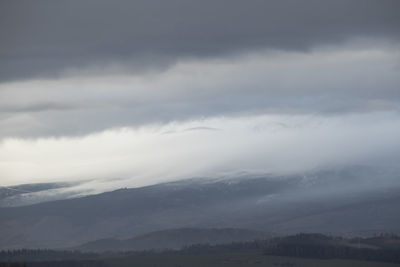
<point>153,125</point>
<point>28,194</point>
<point>323,201</point>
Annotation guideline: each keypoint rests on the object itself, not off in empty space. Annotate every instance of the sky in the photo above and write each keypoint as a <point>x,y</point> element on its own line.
<point>130,93</point>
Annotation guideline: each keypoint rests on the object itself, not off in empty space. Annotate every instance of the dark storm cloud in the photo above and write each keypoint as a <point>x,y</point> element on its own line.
<point>44,38</point>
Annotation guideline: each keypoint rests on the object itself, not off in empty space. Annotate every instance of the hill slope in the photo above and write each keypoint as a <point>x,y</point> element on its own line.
<point>174,239</point>
<point>330,201</point>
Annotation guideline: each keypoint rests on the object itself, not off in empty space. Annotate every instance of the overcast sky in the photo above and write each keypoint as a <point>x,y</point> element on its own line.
<point>130,93</point>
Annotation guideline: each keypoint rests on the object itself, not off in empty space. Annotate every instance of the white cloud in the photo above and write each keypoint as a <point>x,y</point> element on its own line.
<point>128,157</point>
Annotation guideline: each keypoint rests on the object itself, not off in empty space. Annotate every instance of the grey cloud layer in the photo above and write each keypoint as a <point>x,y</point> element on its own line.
<point>333,81</point>
<point>44,38</point>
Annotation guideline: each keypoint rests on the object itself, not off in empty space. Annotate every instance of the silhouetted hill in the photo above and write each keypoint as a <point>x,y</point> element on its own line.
<point>174,239</point>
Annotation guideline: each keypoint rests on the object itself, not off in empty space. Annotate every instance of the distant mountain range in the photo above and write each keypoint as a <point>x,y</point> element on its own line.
<point>355,200</point>
<point>173,239</point>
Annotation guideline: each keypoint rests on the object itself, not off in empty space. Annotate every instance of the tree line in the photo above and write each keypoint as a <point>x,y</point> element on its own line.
<point>300,245</point>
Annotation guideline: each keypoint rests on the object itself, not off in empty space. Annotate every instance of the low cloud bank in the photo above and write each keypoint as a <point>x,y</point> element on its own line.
<point>277,144</point>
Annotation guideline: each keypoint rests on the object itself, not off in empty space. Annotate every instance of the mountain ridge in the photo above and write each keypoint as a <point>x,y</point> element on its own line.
<point>173,239</point>
<point>335,202</point>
